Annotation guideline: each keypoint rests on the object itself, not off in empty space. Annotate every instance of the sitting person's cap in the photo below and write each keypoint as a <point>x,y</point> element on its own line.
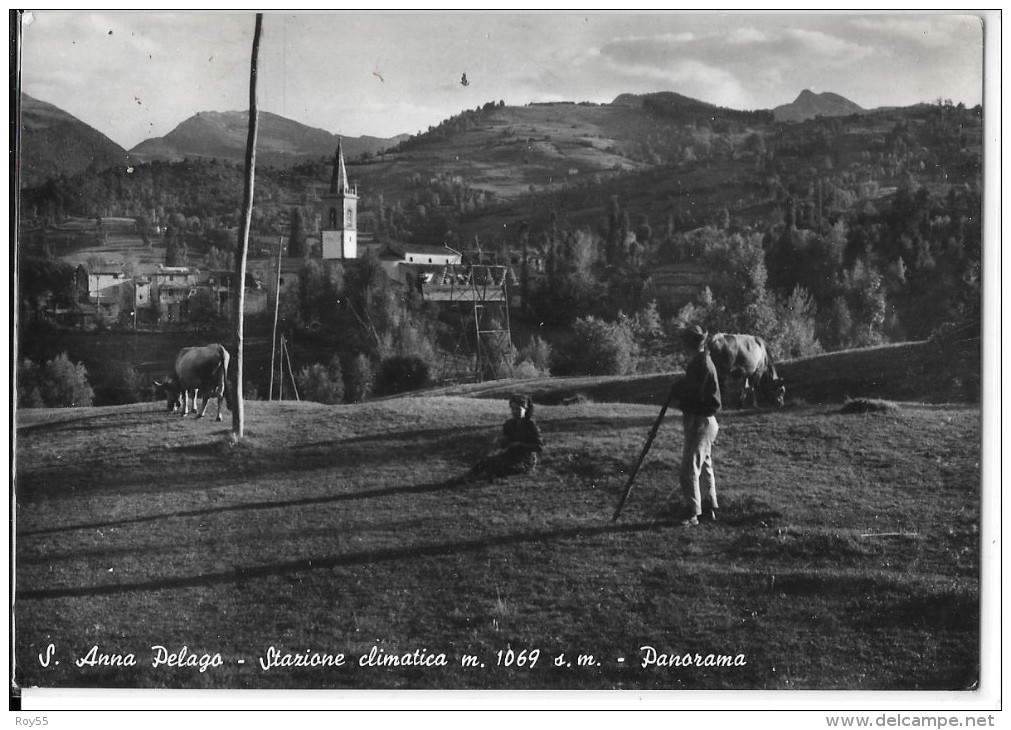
<point>693,335</point>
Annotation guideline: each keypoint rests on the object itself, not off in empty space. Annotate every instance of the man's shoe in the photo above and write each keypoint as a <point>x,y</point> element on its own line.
<point>689,522</point>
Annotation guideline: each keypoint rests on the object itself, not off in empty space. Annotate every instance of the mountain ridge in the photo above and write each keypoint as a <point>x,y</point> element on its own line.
<point>53,141</point>
<point>280,141</point>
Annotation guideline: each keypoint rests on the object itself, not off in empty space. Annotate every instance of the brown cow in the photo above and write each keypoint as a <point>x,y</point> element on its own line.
<point>198,370</point>
<point>747,358</point>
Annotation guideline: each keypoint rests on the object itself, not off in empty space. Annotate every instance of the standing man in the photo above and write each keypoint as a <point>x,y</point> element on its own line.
<point>699,400</point>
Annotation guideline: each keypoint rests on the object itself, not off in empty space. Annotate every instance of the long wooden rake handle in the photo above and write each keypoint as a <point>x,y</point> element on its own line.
<point>642,455</point>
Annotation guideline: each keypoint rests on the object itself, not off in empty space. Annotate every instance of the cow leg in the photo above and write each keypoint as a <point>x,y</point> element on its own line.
<point>218,417</point>
<point>737,385</point>
<point>748,393</point>
<point>203,406</point>
<point>186,402</point>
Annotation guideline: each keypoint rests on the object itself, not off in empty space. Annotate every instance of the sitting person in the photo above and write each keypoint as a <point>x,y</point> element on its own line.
<point>519,444</point>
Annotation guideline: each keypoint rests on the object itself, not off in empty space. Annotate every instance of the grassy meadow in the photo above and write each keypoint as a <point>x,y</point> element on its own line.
<point>847,555</point>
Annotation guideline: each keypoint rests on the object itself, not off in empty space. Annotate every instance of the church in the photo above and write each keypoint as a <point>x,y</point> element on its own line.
<point>404,263</point>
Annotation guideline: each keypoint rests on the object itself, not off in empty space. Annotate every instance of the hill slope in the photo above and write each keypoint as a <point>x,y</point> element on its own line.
<point>843,542</point>
<point>54,142</point>
<point>925,372</point>
<point>280,141</point>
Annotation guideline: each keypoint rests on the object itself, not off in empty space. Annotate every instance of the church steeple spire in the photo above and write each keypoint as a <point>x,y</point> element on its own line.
<point>339,181</point>
<point>339,213</point>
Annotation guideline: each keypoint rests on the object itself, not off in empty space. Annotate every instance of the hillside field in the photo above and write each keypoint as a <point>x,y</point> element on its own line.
<point>847,555</point>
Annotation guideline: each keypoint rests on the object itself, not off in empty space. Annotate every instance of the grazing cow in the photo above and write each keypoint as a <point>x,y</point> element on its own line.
<point>746,358</point>
<point>198,370</point>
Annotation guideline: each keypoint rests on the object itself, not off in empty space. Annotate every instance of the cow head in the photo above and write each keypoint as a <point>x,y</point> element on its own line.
<point>772,390</point>
<point>171,391</point>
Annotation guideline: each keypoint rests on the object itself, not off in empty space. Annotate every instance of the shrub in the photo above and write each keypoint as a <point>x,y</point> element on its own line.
<point>538,353</point>
<point>868,405</point>
<point>400,373</point>
<point>321,383</point>
<point>602,348</point>
<point>58,384</point>
<point>527,369</point>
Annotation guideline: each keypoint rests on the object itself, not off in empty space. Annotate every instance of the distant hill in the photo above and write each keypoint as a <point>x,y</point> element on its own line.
<point>54,142</point>
<point>684,109</point>
<point>280,141</point>
<point>810,105</point>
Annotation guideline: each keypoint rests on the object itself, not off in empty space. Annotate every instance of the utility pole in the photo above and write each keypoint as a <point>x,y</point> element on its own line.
<point>239,413</point>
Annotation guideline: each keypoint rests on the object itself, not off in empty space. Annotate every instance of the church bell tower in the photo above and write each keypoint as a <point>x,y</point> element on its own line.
<point>339,221</point>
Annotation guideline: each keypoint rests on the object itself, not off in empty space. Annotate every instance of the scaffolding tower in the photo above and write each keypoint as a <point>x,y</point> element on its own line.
<point>479,291</point>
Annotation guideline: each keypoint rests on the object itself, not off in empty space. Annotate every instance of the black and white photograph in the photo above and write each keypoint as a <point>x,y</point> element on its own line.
<point>630,351</point>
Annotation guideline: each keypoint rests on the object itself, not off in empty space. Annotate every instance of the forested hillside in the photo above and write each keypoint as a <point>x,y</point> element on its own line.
<point>51,140</point>
<point>821,235</point>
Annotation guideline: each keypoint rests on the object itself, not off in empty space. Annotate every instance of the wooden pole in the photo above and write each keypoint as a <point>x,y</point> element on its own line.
<point>277,305</point>
<point>280,369</point>
<point>642,454</point>
<point>239,413</point>
<point>291,373</point>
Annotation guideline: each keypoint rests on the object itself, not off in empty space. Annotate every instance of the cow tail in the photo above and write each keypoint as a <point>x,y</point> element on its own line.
<point>222,372</point>
<point>771,369</point>
<point>222,368</point>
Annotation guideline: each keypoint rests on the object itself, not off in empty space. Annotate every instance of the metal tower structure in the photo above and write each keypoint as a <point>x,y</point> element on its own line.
<point>480,291</point>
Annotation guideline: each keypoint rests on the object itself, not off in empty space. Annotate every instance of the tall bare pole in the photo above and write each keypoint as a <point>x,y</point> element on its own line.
<point>238,410</point>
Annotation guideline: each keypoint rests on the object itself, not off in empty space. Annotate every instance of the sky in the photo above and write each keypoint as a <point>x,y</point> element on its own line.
<point>137,75</point>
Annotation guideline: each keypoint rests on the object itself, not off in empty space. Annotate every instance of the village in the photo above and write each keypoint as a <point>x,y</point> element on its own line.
<point>154,296</point>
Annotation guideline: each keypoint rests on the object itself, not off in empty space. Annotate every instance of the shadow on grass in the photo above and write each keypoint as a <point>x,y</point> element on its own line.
<point>219,463</point>
<point>454,483</point>
<point>142,415</point>
<point>328,562</point>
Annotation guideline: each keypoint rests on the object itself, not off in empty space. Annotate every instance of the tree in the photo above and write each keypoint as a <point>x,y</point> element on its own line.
<point>399,374</point>
<point>213,260</point>
<point>868,303</point>
<point>650,338</point>
<point>525,268</point>
<point>297,237</point>
<point>202,307</point>
<point>602,348</point>
<point>321,383</point>
<point>359,378</point>
<point>613,243</point>
<point>128,385</point>
<point>58,384</point>
<point>795,329</point>
<point>173,253</point>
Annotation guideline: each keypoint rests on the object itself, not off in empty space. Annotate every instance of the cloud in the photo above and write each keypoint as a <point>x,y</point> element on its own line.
<point>692,78</point>
<point>817,43</point>
<point>927,31</point>
<point>747,35</point>
<point>746,47</point>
